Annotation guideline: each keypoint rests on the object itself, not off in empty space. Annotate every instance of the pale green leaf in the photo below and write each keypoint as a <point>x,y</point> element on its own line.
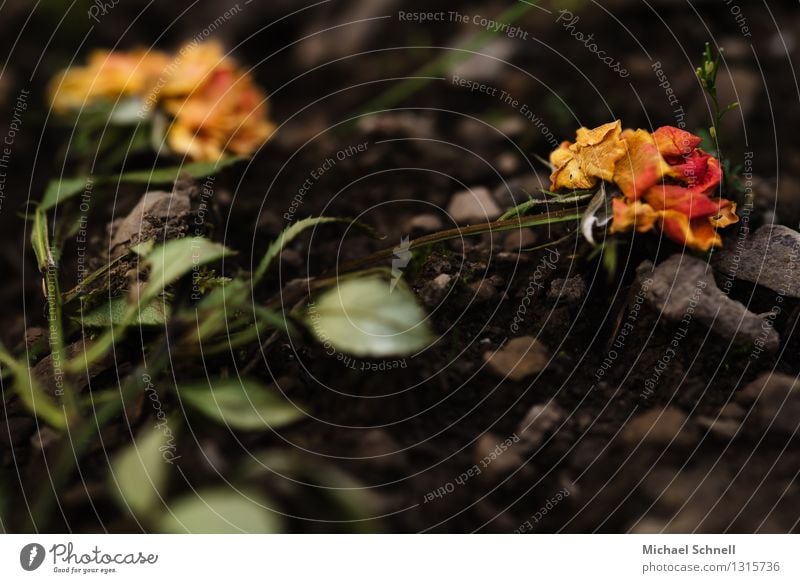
<point>221,511</point>
<point>194,169</point>
<point>127,112</point>
<point>40,241</point>
<point>62,189</point>
<point>366,317</point>
<point>31,393</point>
<point>139,473</point>
<point>241,404</point>
<point>174,259</point>
<point>286,237</point>
<point>114,312</point>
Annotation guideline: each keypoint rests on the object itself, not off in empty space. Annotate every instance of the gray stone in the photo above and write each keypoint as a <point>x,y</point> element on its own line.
<point>158,215</point>
<point>776,406</point>
<point>724,429</point>
<point>569,291</point>
<point>473,206</point>
<point>496,455</point>
<point>519,239</point>
<point>682,288</point>
<point>425,222</point>
<point>540,422</point>
<point>483,290</point>
<point>771,257</point>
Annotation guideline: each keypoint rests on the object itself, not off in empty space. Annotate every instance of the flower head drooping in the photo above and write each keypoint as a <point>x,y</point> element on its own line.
<point>666,180</point>
<point>215,108</point>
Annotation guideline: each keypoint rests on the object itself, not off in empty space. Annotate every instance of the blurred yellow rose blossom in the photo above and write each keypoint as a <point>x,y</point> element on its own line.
<point>213,106</point>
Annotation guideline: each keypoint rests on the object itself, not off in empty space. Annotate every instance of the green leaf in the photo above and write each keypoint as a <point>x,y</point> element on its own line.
<point>522,208</point>
<point>365,317</point>
<point>290,233</point>
<point>221,511</point>
<point>40,241</point>
<point>31,393</point>
<point>610,259</point>
<point>144,248</point>
<point>593,215</point>
<point>174,259</point>
<point>63,189</point>
<point>353,502</point>
<point>127,112</point>
<point>241,404</point>
<point>139,473</point>
<point>168,263</point>
<point>114,312</point>
<point>194,169</point>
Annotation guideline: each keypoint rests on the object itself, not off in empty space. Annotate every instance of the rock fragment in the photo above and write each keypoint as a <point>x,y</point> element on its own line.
<point>771,258</point>
<point>519,359</point>
<point>776,404</point>
<point>683,290</point>
<point>539,423</point>
<point>660,428</point>
<point>473,206</point>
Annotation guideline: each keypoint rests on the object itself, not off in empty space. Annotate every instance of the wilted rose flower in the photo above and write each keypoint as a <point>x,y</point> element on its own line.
<point>213,106</point>
<point>666,180</point>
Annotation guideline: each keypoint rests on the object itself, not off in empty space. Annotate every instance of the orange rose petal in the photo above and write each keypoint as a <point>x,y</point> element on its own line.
<point>107,76</point>
<point>674,142</point>
<point>561,155</point>
<point>571,176</point>
<point>636,215</point>
<point>599,155</point>
<point>642,167</point>
<point>598,135</point>
<point>700,171</point>
<point>593,156</point>
<point>679,198</point>
<point>727,215</point>
<point>698,234</point>
<point>192,66</point>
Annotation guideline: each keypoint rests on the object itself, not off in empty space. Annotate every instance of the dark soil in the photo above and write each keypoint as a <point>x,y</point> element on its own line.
<point>411,434</point>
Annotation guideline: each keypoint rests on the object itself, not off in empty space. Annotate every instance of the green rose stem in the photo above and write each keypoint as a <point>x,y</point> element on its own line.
<point>470,230</point>
<point>297,293</point>
<point>45,258</point>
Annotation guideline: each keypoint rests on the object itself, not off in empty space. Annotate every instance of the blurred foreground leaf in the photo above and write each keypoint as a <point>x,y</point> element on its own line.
<point>115,310</point>
<point>139,473</point>
<point>220,511</point>
<point>365,317</point>
<point>247,404</point>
